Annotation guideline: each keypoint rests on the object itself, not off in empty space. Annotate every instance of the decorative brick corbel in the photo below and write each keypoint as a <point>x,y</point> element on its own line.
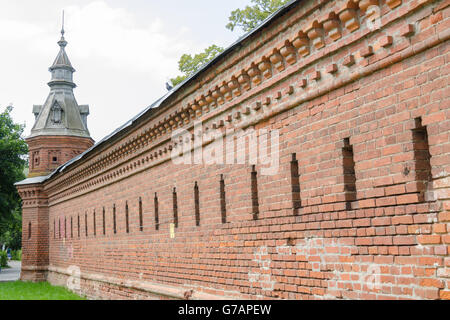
<point>316,76</point>
<point>349,16</point>
<point>202,103</point>
<point>244,80</point>
<point>277,60</point>
<point>217,95</point>
<point>178,119</point>
<point>266,101</point>
<point>191,113</point>
<point>254,73</point>
<point>393,3</point>
<point>194,106</point>
<point>257,106</point>
<point>303,83</point>
<point>225,91</point>
<point>301,42</point>
<point>288,52</point>
<point>315,33</point>
<point>371,8</point>
<point>349,60</point>
<point>265,67</point>
<point>233,84</point>
<point>210,100</point>
<point>332,26</point>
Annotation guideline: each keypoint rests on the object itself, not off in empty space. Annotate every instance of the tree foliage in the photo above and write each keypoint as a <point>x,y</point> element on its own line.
<point>251,16</point>
<point>12,163</point>
<point>189,64</point>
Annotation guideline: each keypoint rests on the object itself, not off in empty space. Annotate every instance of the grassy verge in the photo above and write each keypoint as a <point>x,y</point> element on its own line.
<point>20,290</point>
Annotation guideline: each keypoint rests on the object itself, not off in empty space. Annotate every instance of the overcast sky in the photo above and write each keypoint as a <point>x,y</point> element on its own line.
<point>123,50</point>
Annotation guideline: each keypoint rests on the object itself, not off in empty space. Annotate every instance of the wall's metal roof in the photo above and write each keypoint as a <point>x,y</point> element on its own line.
<point>31,181</point>
<point>161,100</point>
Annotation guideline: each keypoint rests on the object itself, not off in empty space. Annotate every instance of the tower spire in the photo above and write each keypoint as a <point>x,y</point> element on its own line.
<point>62,42</point>
<point>62,28</point>
<point>60,129</point>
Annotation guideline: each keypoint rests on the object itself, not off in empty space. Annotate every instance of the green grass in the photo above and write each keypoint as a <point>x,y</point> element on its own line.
<point>20,290</point>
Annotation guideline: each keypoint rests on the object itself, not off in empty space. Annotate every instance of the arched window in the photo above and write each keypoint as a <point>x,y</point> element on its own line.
<point>56,113</point>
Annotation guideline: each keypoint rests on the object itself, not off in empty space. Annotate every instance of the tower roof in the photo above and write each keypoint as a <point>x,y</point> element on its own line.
<point>61,115</point>
<point>62,60</point>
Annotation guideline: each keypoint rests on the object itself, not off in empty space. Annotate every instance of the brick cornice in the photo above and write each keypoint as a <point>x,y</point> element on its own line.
<point>150,143</point>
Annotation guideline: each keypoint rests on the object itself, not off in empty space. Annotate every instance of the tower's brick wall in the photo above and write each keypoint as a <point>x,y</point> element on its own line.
<point>365,110</point>
<point>46,153</point>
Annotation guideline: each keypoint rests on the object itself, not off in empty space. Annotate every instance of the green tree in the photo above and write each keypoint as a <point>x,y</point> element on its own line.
<point>247,19</point>
<point>251,16</point>
<point>189,64</point>
<point>11,234</point>
<point>13,150</point>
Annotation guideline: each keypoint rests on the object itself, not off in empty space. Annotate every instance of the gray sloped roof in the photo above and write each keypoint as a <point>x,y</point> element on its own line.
<point>62,60</point>
<point>69,121</point>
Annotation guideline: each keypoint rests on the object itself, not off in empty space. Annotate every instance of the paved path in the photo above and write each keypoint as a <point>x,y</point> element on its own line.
<point>11,274</point>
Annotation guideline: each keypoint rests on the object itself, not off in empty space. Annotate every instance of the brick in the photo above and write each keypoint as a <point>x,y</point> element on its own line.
<point>429,239</point>
<point>432,283</point>
<point>316,75</point>
<point>302,83</point>
<point>386,41</point>
<point>444,294</point>
<point>407,30</point>
<point>349,60</point>
<point>332,68</point>
<point>366,51</point>
<point>440,228</point>
<point>404,240</point>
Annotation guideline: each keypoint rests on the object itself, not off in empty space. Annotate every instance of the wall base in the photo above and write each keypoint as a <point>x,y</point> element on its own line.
<point>99,287</point>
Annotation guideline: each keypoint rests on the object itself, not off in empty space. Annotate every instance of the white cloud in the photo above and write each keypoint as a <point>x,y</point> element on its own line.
<point>113,36</point>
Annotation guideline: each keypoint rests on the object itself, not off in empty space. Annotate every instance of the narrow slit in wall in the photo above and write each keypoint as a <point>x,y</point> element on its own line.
<point>86,224</point>
<point>104,221</point>
<point>95,225</point>
<point>295,184</point>
<point>156,212</point>
<point>223,204</point>
<point>254,194</point>
<point>65,227</point>
<point>141,218</point>
<point>197,204</point>
<point>348,164</point>
<point>78,226</point>
<point>114,219</point>
<point>175,207</point>
<point>422,157</point>
<point>127,222</point>
<point>29,230</point>
<point>71,227</point>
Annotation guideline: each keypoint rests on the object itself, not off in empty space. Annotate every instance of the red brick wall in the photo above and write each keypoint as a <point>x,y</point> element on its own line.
<point>35,240</point>
<point>380,235</point>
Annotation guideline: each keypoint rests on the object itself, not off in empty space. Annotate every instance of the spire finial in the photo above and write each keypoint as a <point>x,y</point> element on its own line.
<point>62,42</point>
<point>62,28</point>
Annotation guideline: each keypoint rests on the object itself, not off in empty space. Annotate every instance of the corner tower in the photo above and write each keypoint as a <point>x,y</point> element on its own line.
<point>60,130</point>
